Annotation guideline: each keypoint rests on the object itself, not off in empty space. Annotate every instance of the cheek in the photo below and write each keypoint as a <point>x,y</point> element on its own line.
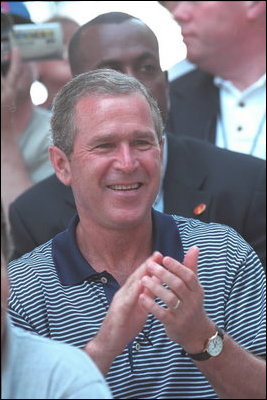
<point>87,171</point>
<point>154,162</point>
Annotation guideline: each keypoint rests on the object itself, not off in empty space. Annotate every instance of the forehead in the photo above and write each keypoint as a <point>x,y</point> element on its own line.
<point>94,113</point>
<point>95,104</point>
<point>117,41</point>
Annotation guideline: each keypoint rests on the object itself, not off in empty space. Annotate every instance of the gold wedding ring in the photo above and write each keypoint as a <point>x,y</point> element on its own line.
<point>177,304</point>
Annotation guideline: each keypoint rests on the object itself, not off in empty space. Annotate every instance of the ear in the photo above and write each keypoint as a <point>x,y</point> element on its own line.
<point>61,164</point>
<point>161,145</point>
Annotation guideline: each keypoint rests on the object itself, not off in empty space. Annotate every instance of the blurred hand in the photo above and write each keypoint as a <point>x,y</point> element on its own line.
<point>8,91</point>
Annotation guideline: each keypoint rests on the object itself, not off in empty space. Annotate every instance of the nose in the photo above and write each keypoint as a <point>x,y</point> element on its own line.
<point>126,159</point>
<point>181,10</point>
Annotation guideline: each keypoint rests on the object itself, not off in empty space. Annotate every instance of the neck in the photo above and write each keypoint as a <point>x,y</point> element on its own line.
<point>246,74</point>
<point>243,66</point>
<point>118,252</point>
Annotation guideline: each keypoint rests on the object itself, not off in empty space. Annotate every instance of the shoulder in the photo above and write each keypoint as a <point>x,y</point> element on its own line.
<point>48,350</point>
<point>36,263</point>
<point>194,228</point>
<point>179,69</point>
<point>213,239</point>
<point>211,157</point>
<point>48,362</point>
<point>224,254</point>
<point>192,79</point>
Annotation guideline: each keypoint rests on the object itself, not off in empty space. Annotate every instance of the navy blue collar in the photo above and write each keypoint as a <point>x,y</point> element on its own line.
<point>72,268</point>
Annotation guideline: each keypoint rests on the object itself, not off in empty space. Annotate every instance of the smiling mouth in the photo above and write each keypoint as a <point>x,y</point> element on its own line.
<point>133,186</point>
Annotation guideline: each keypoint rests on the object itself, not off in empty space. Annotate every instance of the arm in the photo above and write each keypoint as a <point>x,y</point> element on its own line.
<point>14,175</point>
<point>235,373</point>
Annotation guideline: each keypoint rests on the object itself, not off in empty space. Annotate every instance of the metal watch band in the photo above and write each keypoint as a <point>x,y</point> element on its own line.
<point>204,355</point>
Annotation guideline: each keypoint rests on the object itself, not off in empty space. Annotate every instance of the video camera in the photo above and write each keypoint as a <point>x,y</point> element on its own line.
<point>36,42</point>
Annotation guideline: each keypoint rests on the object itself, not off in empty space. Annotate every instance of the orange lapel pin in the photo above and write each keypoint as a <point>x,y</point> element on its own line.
<point>199,209</point>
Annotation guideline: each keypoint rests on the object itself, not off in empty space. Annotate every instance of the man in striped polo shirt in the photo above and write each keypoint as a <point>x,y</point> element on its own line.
<point>168,307</point>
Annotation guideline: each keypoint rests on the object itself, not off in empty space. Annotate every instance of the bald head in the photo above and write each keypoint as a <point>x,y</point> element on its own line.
<point>122,42</point>
<point>79,59</point>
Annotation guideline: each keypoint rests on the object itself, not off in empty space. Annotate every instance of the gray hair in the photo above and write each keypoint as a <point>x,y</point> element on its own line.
<point>94,84</point>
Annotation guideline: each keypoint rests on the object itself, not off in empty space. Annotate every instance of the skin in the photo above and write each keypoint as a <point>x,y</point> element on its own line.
<point>129,47</point>
<point>207,27</point>
<point>225,38</point>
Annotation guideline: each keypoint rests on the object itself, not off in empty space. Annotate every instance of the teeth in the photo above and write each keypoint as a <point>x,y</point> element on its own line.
<point>125,187</point>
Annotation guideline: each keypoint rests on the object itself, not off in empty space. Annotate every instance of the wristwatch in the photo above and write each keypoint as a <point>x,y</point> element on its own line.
<point>213,348</point>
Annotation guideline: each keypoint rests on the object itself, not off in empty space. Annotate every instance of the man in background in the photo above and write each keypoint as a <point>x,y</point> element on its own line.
<point>224,100</point>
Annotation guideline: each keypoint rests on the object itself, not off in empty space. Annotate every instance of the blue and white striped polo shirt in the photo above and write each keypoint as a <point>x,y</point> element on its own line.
<point>57,294</point>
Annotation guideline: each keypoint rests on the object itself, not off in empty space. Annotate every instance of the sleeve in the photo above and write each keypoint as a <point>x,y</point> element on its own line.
<point>27,300</point>
<point>245,309</point>
<point>84,380</point>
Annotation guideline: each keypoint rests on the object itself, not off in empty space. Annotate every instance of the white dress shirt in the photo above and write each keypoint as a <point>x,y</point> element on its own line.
<point>242,125</point>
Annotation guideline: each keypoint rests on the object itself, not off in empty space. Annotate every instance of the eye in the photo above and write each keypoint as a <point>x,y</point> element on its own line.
<point>104,146</point>
<point>148,68</point>
<point>142,144</point>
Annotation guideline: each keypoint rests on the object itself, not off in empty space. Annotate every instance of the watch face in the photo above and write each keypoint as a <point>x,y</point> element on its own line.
<point>215,346</point>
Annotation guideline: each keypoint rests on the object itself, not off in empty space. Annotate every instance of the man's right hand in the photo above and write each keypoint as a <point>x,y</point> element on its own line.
<point>124,320</point>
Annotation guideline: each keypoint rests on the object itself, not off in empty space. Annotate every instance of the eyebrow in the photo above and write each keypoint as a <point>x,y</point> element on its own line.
<point>114,62</point>
<point>146,55</point>
<point>111,137</point>
<point>105,63</point>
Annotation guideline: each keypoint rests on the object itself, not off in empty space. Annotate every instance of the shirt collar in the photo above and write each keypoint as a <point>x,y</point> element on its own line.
<point>227,85</point>
<point>73,269</point>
